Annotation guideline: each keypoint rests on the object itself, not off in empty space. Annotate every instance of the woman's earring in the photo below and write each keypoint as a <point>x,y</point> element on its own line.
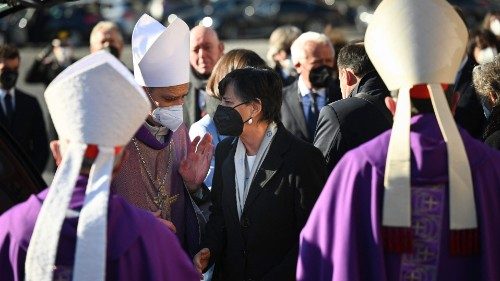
<point>250,121</point>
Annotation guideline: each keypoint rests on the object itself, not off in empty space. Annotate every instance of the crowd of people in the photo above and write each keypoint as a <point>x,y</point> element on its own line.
<point>374,159</point>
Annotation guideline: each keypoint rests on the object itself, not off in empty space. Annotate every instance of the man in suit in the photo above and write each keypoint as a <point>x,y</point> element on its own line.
<point>20,113</point>
<point>361,115</point>
<point>206,50</point>
<point>313,57</point>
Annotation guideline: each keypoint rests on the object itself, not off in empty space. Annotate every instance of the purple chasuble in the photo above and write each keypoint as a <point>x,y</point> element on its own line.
<point>139,246</point>
<point>342,238</point>
<point>149,179</point>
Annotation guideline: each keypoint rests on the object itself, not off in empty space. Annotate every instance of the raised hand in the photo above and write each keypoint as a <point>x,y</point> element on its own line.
<point>194,168</point>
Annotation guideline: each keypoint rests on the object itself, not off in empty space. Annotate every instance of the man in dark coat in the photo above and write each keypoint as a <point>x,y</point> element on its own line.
<point>20,113</point>
<point>206,50</point>
<point>50,62</point>
<point>362,115</point>
<point>313,57</point>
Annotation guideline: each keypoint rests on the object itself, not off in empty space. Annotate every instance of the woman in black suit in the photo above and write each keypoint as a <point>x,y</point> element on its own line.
<point>265,183</point>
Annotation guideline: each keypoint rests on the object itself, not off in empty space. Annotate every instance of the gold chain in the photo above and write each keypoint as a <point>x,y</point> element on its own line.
<point>162,198</point>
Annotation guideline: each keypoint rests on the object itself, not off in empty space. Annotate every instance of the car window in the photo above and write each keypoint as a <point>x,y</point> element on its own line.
<point>18,177</point>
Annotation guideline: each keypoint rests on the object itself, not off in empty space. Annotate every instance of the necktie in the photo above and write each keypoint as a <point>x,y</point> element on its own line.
<point>312,116</point>
<point>8,108</point>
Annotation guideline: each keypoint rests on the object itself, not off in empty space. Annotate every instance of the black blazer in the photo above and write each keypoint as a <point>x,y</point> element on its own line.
<point>264,244</point>
<point>28,128</point>
<point>292,114</point>
<point>345,124</point>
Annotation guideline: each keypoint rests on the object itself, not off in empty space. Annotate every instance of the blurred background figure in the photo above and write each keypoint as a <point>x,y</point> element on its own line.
<point>492,23</point>
<point>52,60</point>
<point>234,59</point>
<point>313,57</point>
<point>482,46</point>
<point>107,36</point>
<point>279,54</point>
<point>486,79</point>
<point>338,38</point>
<point>20,113</point>
<point>470,111</point>
<point>205,51</point>
<point>47,65</point>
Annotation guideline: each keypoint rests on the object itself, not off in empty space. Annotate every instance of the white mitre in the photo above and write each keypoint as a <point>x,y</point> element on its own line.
<point>412,42</point>
<point>160,54</point>
<point>87,109</point>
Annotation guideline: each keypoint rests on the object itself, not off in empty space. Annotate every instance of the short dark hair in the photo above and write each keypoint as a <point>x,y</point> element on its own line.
<point>252,83</point>
<point>354,56</point>
<point>8,52</point>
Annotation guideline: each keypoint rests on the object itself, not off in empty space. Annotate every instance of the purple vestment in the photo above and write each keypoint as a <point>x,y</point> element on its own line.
<point>151,165</point>
<point>342,238</point>
<point>139,246</point>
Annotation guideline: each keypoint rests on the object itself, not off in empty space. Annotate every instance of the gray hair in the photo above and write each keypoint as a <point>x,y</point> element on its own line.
<point>486,78</point>
<point>282,39</point>
<point>298,46</point>
<point>104,26</point>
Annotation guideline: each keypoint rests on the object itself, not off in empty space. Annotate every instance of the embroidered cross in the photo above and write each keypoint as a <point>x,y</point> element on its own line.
<point>419,227</point>
<point>425,254</point>
<point>431,203</point>
<point>413,276</point>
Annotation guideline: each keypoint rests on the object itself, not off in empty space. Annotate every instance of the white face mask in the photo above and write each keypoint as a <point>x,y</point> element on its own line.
<point>170,117</point>
<point>495,27</point>
<point>486,55</point>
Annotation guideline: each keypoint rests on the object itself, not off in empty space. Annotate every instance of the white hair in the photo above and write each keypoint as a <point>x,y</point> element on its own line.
<point>104,26</point>
<point>298,46</point>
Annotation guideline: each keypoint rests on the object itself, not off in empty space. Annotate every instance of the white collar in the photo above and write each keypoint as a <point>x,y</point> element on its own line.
<point>5,92</point>
<point>158,132</point>
<point>303,90</point>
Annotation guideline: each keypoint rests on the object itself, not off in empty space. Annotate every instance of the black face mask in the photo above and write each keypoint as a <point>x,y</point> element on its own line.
<point>112,50</point>
<point>228,121</point>
<point>321,76</point>
<point>8,79</point>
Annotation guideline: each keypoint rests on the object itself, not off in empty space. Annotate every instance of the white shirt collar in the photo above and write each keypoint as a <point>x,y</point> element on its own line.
<point>303,90</point>
<point>5,92</point>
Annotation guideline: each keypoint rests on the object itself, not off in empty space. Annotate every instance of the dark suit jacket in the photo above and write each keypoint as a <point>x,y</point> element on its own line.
<point>292,114</point>
<point>345,124</point>
<point>191,110</point>
<point>264,244</point>
<point>28,128</point>
<point>469,112</point>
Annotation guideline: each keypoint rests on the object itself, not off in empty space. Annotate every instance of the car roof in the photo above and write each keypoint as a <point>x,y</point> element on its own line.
<point>18,5</point>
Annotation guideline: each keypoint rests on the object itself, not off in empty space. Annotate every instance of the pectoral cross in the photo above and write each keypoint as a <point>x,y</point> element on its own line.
<point>164,201</point>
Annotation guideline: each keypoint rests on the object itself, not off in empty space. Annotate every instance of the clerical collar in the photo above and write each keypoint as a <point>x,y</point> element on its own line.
<point>158,132</point>
<point>303,90</point>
